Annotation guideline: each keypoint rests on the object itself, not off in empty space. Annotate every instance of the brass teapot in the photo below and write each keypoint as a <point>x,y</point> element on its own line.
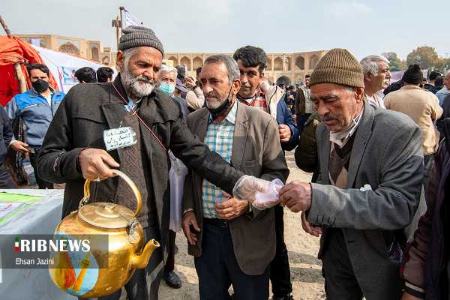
<point>112,257</point>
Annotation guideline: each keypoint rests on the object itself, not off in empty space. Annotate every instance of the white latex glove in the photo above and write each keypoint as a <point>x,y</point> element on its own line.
<point>247,186</point>
<point>269,198</point>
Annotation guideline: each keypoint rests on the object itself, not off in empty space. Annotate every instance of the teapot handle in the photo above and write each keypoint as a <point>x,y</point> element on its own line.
<point>132,185</point>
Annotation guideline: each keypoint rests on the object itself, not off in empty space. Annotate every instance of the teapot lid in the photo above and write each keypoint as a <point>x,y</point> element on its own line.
<point>106,215</point>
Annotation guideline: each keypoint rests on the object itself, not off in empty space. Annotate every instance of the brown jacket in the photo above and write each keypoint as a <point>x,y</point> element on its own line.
<point>256,153</point>
<point>421,106</point>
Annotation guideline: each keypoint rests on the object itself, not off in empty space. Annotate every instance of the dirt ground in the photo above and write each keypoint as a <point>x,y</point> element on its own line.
<point>305,267</point>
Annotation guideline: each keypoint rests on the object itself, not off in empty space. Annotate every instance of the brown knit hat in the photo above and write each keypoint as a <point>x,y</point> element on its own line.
<point>338,66</point>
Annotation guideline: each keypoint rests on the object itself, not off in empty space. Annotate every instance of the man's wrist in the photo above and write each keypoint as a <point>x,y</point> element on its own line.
<point>249,208</point>
<point>77,163</point>
<point>414,290</point>
<point>187,211</point>
<point>309,195</point>
<point>13,141</point>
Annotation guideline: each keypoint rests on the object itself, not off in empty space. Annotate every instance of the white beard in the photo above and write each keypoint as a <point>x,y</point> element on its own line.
<point>137,86</point>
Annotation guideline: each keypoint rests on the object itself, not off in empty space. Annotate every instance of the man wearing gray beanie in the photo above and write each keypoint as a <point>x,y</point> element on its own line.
<point>371,171</point>
<point>128,124</point>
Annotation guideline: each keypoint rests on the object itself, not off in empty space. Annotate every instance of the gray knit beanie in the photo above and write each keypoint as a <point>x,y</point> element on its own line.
<point>338,66</point>
<point>139,36</point>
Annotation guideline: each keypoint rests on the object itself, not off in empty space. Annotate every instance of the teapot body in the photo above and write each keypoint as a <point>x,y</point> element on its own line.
<point>110,265</point>
<point>109,246</point>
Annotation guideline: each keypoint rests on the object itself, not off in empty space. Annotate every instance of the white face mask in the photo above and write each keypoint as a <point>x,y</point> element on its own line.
<point>341,137</point>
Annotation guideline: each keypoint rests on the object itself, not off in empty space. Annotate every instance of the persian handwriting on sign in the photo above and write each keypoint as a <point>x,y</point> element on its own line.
<point>119,138</point>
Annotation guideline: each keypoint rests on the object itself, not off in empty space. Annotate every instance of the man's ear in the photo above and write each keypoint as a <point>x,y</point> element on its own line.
<point>236,86</point>
<point>119,60</point>
<point>359,93</point>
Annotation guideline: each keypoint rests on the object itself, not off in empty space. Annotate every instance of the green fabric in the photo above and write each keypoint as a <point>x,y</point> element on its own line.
<point>10,197</point>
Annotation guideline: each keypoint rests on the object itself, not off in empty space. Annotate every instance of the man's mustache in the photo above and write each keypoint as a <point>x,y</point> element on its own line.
<point>212,95</point>
<point>143,78</point>
<point>328,117</point>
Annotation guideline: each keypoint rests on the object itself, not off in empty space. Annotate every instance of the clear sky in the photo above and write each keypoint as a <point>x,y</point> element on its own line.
<point>363,27</point>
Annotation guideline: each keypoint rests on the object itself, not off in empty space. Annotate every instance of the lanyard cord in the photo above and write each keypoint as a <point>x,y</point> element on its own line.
<point>134,113</point>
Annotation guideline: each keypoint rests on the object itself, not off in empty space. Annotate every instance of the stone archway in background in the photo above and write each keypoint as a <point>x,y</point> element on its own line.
<point>95,54</point>
<point>197,62</point>
<point>269,64</point>
<point>288,63</point>
<point>313,62</point>
<point>174,60</point>
<point>187,62</point>
<point>278,64</point>
<point>300,62</point>
<point>69,48</point>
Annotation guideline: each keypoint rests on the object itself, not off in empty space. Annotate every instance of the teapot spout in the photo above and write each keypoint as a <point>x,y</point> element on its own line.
<point>141,261</point>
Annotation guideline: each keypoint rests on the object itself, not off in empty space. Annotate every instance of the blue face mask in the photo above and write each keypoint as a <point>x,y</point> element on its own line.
<point>167,88</point>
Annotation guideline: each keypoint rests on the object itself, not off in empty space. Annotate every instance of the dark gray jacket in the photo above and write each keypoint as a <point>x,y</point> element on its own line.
<point>384,184</point>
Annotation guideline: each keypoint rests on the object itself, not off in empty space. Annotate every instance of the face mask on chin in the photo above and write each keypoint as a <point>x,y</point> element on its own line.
<point>40,86</point>
<point>221,108</point>
<point>341,137</point>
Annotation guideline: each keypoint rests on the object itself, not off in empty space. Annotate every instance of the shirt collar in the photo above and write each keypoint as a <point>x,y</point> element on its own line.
<point>131,105</point>
<point>411,87</point>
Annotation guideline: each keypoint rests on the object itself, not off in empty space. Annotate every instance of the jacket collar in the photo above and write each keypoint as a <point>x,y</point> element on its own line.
<point>119,90</point>
<point>362,137</point>
<point>33,93</point>
<point>240,135</point>
<point>411,87</point>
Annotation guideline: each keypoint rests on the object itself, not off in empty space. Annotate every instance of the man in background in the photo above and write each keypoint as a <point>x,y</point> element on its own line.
<point>376,78</point>
<point>430,85</point>
<point>105,74</point>
<point>445,90</point>
<point>36,108</point>
<point>193,95</point>
<point>303,105</point>
<point>422,107</point>
<point>86,75</point>
<point>256,92</point>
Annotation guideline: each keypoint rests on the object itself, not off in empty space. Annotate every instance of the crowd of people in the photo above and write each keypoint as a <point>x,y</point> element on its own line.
<point>379,153</point>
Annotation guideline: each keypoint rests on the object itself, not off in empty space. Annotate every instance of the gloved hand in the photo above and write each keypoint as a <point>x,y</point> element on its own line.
<point>269,198</point>
<point>247,186</point>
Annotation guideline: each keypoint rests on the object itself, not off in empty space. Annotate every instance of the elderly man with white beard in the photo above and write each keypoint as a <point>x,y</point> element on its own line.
<point>74,148</point>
